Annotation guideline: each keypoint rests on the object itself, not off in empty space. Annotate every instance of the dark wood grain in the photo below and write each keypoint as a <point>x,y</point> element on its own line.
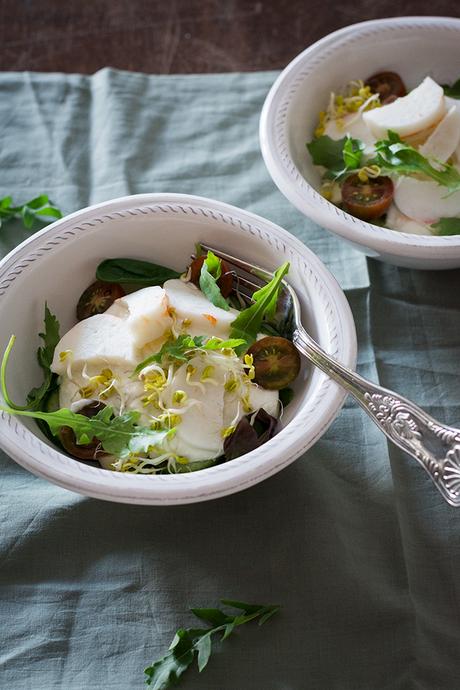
<point>179,36</point>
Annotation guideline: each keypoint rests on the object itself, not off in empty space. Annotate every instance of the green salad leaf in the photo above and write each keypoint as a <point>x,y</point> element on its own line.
<point>339,156</point>
<point>119,435</point>
<point>45,353</point>
<point>447,226</point>
<point>248,323</point>
<point>39,209</point>
<point>134,271</point>
<point>452,91</point>
<point>183,347</point>
<point>190,644</point>
<point>211,271</point>
<point>394,155</point>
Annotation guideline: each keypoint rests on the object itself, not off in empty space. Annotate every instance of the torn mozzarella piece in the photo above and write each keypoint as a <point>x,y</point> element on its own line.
<point>355,127</point>
<point>200,316</point>
<point>398,221</point>
<point>444,140</point>
<point>99,341</point>
<point>425,201</point>
<point>198,436</point>
<point>409,115</point>
<point>144,313</point>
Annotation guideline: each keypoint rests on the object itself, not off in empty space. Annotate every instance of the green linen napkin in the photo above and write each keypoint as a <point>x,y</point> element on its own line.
<point>352,540</point>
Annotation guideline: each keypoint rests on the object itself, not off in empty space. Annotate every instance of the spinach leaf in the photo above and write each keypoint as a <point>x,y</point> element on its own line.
<point>134,271</point>
<point>190,644</point>
<point>394,155</point>
<point>210,273</point>
<point>286,395</point>
<point>447,226</point>
<point>339,156</point>
<point>39,209</point>
<point>247,324</point>
<point>452,91</point>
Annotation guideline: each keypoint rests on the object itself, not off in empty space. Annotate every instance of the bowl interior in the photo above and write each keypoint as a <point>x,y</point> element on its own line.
<point>57,264</point>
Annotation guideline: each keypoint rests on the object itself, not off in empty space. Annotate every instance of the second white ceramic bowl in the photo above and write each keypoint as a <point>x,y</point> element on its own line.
<point>58,263</point>
<point>412,46</point>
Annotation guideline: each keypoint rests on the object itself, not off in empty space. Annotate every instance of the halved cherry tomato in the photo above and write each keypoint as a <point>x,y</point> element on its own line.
<point>276,362</point>
<point>225,281</point>
<point>388,85</point>
<point>367,200</point>
<point>97,298</point>
<point>67,435</point>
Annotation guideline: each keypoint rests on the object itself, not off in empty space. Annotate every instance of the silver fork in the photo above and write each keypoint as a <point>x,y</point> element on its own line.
<point>435,446</point>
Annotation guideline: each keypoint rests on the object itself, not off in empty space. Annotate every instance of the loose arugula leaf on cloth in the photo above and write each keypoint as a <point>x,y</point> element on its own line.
<point>339,156</point>
<point>248,323</point>
<point>394,155</point>
<point>189,644</point>
<point>134,271</point>
<point>38,209</point>
<point>452,91</point>
<point>447,226</point>
<point>180,349</point>
<point>211,271</point>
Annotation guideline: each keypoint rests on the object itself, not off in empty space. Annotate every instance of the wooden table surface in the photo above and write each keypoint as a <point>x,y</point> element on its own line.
<point>180,36</point>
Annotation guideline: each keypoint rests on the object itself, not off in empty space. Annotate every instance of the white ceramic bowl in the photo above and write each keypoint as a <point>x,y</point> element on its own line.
<point>412,46</point>
<point>56,265</point>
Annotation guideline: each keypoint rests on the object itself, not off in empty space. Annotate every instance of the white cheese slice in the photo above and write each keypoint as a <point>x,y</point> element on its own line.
<point>257,397</point>
<point>354,126</point>
<point>425,201</point>
<point>144,313</point>
<point>201,317</point>
<point>199,434</point>
<point>444,140</point>
<point>421,108</point>
<point>398,221</point>
<point>100,341</point>
<point>452,102</point>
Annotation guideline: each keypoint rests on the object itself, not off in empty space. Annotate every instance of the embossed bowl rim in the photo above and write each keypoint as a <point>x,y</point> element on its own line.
<point>274,142</point>
<point>331,315</point>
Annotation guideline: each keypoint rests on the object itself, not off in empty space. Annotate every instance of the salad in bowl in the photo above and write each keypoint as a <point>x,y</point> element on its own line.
<point>164,372</point>
<point>392,157</point>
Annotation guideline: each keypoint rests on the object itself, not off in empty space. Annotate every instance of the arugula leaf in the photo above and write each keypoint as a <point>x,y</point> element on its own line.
<point>119,435</point>
<point>452,91</point>
<point>352,153</point>
<point>45,356</point>
<point>189,644</point>
<point>37,395</point>
<point>180,349</point>
<point>394,155</point>
<point>338,156</point>
<point>247,324</point>
<point>210,273</point>
<point>447,226</point>
<point>134,271</point>
<point>38,209</point>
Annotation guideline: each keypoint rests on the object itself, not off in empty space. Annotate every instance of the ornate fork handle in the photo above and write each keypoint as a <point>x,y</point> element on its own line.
<point>435,446</point>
